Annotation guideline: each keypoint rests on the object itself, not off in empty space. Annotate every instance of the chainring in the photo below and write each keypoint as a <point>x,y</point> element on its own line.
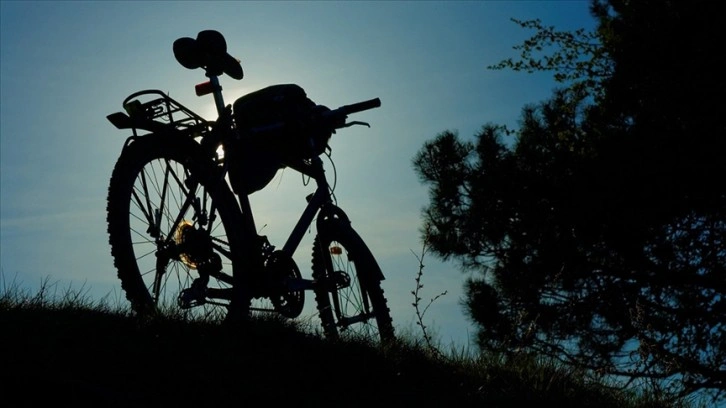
<point>279,269</point>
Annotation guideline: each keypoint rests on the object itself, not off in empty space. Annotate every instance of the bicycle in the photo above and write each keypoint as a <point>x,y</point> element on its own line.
<point>180,225</point>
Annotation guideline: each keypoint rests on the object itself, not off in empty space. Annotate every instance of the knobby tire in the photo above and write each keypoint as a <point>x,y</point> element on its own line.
<point>148,183</point>
<point>341,249</point>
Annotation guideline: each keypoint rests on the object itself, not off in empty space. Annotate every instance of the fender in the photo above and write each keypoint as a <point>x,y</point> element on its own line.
<point>330,212</point>
<point>331,216</point>
<point>193,150</point>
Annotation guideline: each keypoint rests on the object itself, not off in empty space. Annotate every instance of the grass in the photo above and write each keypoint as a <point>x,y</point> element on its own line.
<point>66,349</point>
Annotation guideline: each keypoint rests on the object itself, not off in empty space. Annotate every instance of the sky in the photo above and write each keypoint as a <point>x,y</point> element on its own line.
<point>64,66</point>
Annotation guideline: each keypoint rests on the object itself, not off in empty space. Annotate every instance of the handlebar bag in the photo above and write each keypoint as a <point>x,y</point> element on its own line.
<point>257,156</point>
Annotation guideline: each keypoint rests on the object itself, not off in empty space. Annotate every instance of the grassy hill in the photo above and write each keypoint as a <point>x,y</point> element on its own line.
<point>75,353</point>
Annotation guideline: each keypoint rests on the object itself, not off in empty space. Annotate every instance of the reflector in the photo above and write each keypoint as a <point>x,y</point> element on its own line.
<point>204,88</point>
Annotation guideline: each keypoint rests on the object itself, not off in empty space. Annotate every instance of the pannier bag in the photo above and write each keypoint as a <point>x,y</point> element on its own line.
<point>255,158</point>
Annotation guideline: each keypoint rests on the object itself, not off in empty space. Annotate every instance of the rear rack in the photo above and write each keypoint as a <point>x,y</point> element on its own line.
<point>159,114</point>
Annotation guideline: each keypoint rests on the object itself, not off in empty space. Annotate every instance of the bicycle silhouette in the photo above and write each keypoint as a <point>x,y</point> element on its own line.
<point>180,225</point>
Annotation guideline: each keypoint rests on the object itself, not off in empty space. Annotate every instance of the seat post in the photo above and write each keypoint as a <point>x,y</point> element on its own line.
<point>217,91</point>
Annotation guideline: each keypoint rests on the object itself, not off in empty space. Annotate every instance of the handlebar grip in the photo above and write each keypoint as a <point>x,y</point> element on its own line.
<point>361,106</point>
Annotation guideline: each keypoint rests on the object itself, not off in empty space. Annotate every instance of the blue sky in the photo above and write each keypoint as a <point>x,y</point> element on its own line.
<point>64,66</point>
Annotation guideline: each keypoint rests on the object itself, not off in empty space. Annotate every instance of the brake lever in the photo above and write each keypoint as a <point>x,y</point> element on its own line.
<point>355,122</point>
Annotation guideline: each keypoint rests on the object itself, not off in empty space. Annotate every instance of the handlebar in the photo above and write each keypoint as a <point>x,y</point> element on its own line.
<point>361,106</point>
<point>335,118</point>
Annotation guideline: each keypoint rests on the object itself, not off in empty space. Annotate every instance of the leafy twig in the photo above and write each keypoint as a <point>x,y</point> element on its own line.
<point>421,312</point>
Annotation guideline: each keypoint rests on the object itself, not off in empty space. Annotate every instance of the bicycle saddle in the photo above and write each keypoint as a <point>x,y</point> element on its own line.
<point>208,51</point>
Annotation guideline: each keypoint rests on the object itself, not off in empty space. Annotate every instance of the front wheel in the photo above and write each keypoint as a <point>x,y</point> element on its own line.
<point>348,292</point>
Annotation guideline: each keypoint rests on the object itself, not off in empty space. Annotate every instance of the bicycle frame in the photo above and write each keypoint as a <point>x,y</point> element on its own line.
<point>319,203</point>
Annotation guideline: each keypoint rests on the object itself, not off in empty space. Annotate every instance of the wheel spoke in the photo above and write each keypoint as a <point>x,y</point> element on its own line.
<point>170,223</point>
<point>346,305</point>
<point>146,195</point>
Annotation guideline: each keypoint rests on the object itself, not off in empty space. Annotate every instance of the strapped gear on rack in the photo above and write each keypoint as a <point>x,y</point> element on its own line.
<point>293,134</point>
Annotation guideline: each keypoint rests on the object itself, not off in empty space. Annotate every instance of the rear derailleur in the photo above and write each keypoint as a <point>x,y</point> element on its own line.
<point>196,294</point>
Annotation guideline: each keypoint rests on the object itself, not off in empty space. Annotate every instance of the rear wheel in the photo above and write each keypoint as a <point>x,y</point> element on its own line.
<point>349,296</point>
<point>171,229</point>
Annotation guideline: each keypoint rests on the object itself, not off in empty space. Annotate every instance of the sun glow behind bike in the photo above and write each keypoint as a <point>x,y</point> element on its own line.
<point>220,152</point>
